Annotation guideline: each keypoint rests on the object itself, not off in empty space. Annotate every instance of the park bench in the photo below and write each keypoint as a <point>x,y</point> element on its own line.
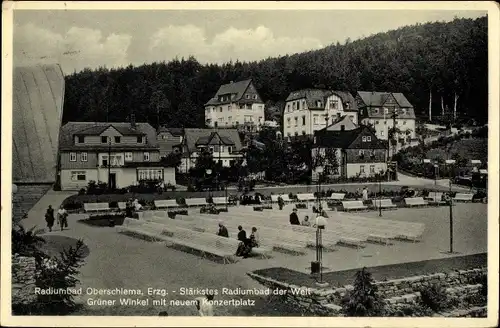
<point>353,205</point>
<point>96,207</point>
<point>166,203</point>
<point>337,196</point>
<point>287,199</point>
<point>220,201</point>
<point>415,202</point>
<point>196,201</point>
<point>463,197</point>
<point>385,204</point>
<point>435,198</point>
<point>306,197</point>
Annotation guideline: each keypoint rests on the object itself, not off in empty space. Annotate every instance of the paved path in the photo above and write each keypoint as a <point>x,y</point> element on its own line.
<point>36,214</point>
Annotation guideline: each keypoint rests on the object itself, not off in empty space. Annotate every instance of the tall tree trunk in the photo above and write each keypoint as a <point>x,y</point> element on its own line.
<point>455,107</point>
<point>442,106</point>
<point>430,105</point>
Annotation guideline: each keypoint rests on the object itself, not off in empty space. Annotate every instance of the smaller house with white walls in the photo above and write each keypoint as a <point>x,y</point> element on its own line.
<point>309,110</point>
<point>119,154</point>
<point>349,153</point>
<point>224,144</point>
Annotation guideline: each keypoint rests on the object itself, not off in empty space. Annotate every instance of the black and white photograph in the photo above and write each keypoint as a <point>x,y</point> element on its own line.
<point>307,164</point>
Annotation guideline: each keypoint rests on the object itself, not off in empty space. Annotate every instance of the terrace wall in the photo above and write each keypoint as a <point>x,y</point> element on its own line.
<point>396,292</point>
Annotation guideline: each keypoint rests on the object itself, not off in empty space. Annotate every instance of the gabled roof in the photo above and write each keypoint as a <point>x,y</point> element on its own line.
<point>177,132</point>
<point>377,99</point>
<point>313,95</point>
<point>236,88</point>
<point>192,136</point>
<point>213,139</point>
<point>70,129</point>
<point>346,139</point>
<point>345,118</point>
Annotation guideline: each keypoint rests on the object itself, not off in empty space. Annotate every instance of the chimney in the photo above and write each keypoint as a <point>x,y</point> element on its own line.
<point>132,121</point>
<point>342,127</point>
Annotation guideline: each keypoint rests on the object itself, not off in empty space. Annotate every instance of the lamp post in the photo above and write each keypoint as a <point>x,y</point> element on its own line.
<point>380,194</point>
<point>225,195</point>
<point>319,236</point>
<point>109,163</point>
<point>208,172</point>
<point>319,170</point>
<point>450,203</point>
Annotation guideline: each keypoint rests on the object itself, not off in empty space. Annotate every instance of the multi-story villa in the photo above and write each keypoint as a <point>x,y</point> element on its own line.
<point>377,109</point>
<point>235,105</point>
<point>310,110</point>
<point>120,154</point>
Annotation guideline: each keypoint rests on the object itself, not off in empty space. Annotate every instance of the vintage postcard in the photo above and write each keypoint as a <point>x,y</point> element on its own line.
<point>294,164</point>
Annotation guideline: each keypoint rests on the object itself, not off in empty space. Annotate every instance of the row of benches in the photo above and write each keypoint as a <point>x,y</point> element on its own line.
<point>375,227</point>
<point>432,198</point>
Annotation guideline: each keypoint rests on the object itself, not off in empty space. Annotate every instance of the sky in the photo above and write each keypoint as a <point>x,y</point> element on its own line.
<point>84,38</point>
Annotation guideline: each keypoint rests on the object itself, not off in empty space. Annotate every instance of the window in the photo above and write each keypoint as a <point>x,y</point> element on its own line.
<point>303,120</point>
<point>221,149</point>
<point>296,134</point>
<point>229,149</point>
<point>128,157</point>
<point>296,120</point>
<point>139,139</point>
<point>372,168</point>
<point>211,149</point>
<point>315,119</point>
<point>288,107</point>
<point>375,111</point>
<point>319,103</point>
<point>361,169</point>
<point>104,160</point>
<point>72,157</point>
<point>386,110</point>
<point>83,157</point>
<point>304,104</point>
<point>150,174</point>
<point>347,105</point>
<point>118,139</point>
<point>288,121</point>
<point>404,110</point>
<point>78,176</point>
<point>385,122</point>
<point>363,139</point>
<point>334,104</point>
<point>104,140</point>
<point>368,138</point>
<point>221,119</point>
<point>376,122</point>
<point>247,96</point>
<point>361,153</point>
<point>81,139</point>
<point>146,157</point>
<point>220,109</point>
<point>303,132</point>
<point>381,133</point>
<point>215,124</point>
<point>116,160</point>
<point>404,122</point>
<point>254,96</point>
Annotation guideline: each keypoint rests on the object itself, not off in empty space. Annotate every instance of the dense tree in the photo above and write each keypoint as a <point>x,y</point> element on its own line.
<point>441,63</point>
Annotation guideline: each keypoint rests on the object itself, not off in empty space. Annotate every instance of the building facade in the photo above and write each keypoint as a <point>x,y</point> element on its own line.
<point>235,105</point>
<point>349,153</point>
<point>310,110</point>
<point>168,138</point>
<point>120,154</point>
<point>378,108</point>
<point>224,144</point>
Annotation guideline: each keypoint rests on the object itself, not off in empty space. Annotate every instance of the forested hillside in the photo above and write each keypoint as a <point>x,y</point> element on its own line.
<point>449,59</point>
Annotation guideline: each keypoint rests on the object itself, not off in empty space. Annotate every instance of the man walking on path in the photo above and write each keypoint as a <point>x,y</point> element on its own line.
<point>49,218</point>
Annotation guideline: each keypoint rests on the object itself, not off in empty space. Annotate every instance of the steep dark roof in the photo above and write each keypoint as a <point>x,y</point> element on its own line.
<point>192,136</point>
<point>377,99</point>
<point>213,139</point>
<point>313,95</point>
<point>70,129</point>
<point>177,132</point>
<point>234,88</point>
<point>345,139</point>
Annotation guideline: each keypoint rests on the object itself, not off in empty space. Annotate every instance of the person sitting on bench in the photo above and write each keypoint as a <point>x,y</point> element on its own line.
<point>222,231</point>
<point>242,237</point>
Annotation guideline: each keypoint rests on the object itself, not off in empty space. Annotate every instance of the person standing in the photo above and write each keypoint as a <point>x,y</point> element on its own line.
<point>49,218</point>
<point>62,218</point>
<point>294,218</point>
<point>281,202</point>
<point>365,194</point>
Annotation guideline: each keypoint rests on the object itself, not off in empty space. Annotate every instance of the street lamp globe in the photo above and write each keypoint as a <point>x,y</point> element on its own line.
<point>208,171</point>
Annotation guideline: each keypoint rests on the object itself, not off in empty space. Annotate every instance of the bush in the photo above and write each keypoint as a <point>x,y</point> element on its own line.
<point>181,200</point>
<point>301,205</point>
<point>73,205</point>
<point>113,204</point>
<point>81,191</point>
<point>363,300</point>
<point>434,297</point>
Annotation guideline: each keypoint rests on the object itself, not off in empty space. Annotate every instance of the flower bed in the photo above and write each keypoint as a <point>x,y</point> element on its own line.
<point>106,220</point>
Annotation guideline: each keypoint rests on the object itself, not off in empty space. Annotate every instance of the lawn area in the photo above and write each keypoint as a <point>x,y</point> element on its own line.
<point>55,244</point>
<point>466,148</point>
<point>379,273</point>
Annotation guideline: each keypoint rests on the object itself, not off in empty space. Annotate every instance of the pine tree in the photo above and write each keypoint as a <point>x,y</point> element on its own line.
<point>363,301</point>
